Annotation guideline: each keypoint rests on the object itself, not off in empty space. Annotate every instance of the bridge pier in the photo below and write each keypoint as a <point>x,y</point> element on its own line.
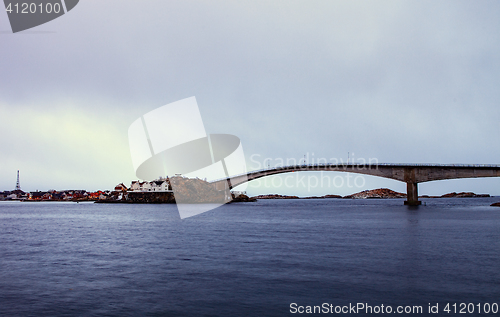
<point>412,194</point>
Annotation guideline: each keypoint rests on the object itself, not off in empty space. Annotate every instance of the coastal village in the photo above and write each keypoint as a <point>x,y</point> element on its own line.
<point>157,191</point>
<point>120,192</point>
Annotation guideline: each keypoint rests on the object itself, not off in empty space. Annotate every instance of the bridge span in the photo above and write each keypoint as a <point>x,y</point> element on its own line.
<point>411,174</point>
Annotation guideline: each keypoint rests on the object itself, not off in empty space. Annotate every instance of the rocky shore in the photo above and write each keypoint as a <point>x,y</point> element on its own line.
<point>140,198</point>
<point>275,196</point>
<point>194,190</point>
<point>242,198</point>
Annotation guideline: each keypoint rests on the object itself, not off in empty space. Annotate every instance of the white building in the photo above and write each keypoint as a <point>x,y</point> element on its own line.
<point>159,185</point>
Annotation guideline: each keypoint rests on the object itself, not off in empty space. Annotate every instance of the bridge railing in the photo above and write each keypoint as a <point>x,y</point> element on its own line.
<point>345,165</point>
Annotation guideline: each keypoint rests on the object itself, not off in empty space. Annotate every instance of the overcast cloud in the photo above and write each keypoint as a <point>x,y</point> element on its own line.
<point>400,81</point>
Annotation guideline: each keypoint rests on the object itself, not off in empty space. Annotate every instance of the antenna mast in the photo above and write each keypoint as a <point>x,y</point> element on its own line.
<point>18,184</point>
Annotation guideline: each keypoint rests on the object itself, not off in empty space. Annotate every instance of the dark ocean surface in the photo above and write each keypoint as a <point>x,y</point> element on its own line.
<point>248,259</point>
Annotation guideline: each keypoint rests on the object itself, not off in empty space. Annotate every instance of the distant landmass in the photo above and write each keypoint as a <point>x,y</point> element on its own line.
<point>380,193</point>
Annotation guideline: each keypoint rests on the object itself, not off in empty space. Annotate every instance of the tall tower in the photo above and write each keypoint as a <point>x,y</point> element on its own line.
<point>18,184</point>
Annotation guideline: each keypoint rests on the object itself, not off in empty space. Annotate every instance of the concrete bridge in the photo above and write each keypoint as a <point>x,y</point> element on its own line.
<point>411,174</point>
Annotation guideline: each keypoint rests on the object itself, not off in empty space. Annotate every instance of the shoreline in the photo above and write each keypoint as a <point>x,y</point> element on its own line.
<point>380,193</point>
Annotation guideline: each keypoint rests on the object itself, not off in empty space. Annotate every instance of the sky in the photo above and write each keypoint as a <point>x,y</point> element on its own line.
<point>395,81</point>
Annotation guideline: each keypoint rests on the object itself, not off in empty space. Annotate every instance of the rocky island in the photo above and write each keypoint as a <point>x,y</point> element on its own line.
<point>458,195</point>
<point>242,198</point>
<point>381,193</point>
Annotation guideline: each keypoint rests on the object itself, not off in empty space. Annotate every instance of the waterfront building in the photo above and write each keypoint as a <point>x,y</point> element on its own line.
<point>158,185</point>
<point>4,195</point>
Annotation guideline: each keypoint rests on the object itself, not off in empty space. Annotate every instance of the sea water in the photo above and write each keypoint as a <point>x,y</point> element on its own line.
<point>266,258</point>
